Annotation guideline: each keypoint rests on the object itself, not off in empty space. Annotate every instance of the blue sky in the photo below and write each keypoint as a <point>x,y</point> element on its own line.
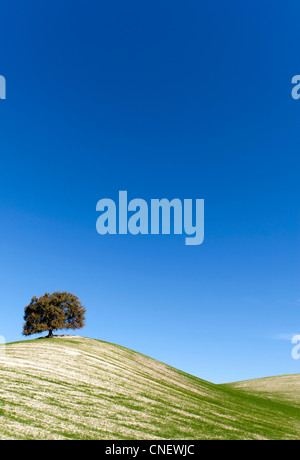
<point>163,99</point>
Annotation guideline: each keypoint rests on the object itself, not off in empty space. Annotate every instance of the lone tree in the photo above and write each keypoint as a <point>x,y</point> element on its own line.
<point>60,310</point>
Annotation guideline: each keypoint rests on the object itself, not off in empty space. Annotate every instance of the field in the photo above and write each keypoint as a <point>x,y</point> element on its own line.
<point>79,388</point>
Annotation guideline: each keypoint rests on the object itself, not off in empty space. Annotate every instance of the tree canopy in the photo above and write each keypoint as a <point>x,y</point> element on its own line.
<point>60,310</point>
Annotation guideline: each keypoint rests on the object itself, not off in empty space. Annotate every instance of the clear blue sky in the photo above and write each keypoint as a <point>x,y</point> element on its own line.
<point>165,99</point>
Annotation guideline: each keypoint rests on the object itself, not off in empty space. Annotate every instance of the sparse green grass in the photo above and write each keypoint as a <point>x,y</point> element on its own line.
<point>283,389</point>
<point>78,388</point>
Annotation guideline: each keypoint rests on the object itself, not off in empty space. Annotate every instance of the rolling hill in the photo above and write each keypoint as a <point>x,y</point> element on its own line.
<point>281,388</point>
<point>80,388</point>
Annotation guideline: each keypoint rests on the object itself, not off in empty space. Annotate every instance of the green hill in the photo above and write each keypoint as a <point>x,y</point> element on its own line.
<point>281,388</point>
<point>79,388</point>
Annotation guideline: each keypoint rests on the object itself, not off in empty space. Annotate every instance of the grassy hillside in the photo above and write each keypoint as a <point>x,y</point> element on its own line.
<point>73,387</point>
<point>282,388</point>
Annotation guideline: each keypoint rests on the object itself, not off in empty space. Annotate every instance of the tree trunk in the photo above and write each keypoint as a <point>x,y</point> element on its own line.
<point>50,335</point>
